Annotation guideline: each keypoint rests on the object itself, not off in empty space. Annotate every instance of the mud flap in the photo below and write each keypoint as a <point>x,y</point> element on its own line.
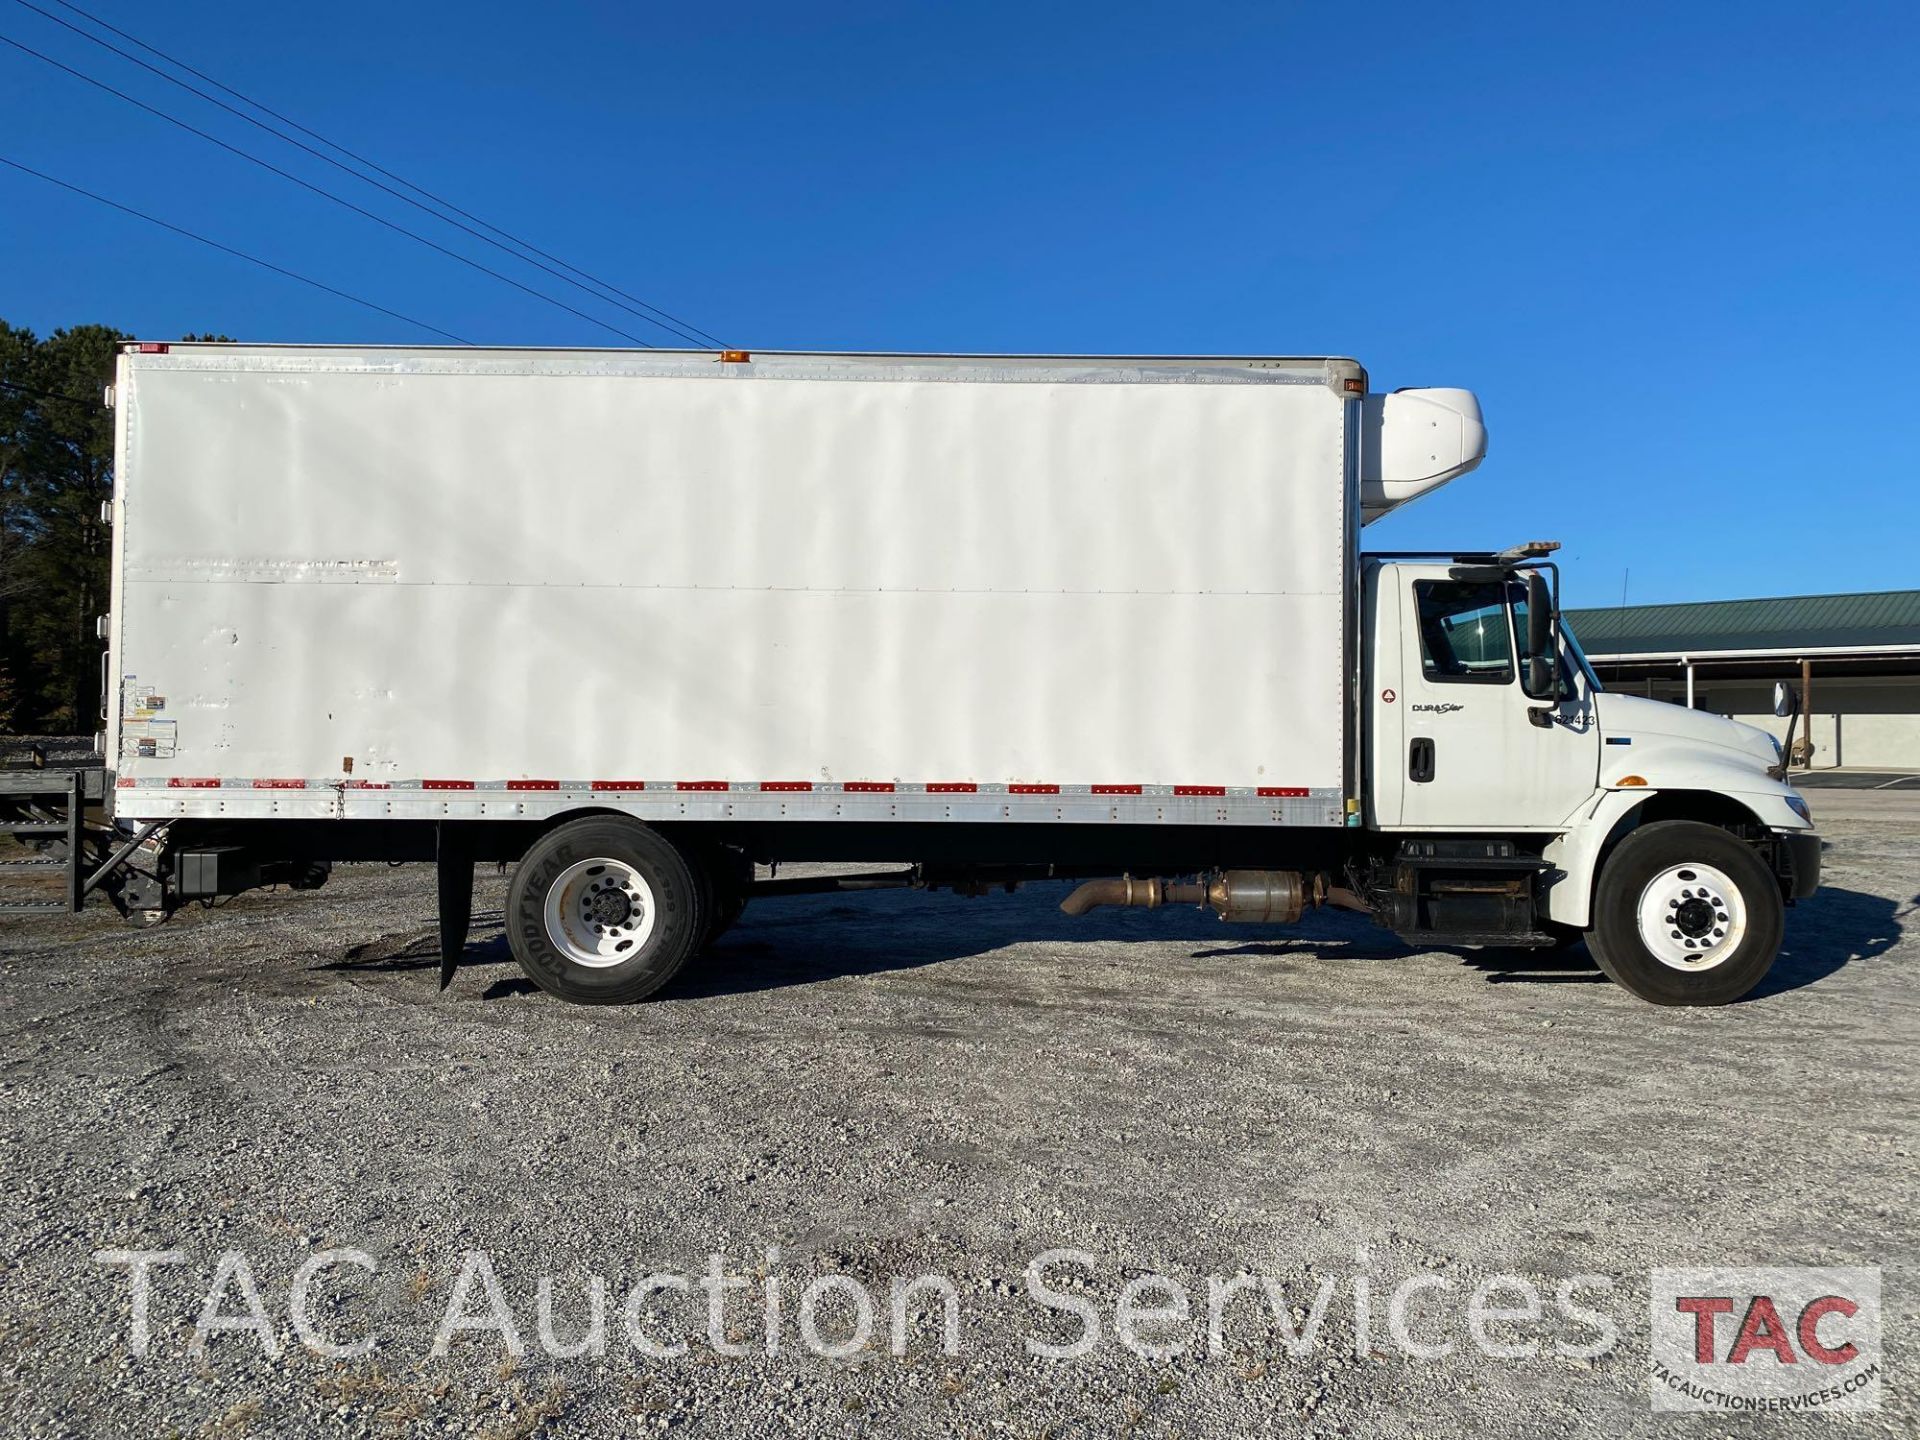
<point>453,862</point>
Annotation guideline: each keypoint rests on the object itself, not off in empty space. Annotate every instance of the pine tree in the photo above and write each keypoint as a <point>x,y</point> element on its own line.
<point>56,467</point>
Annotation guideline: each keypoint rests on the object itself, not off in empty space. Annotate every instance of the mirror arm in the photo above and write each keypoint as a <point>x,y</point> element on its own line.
<point>1784,693</point>
<point>1779,772</point>
<point>1553,636</point>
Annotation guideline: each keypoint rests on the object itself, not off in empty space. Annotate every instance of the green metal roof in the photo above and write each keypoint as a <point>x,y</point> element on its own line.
<point>1871,621</point>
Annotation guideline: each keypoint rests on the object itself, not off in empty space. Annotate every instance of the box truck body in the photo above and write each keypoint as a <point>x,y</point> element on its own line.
<point>635,623</point>
<point>588,572</point>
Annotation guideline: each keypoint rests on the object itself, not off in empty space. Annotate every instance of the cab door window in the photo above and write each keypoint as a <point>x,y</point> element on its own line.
<point>1466,633</point>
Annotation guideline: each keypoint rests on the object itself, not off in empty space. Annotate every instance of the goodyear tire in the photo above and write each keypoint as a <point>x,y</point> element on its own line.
<point>723,874</point>
<point>1686,914</point>
<point>604,911</point>
<point>727,905</point>
<point>732,882</point>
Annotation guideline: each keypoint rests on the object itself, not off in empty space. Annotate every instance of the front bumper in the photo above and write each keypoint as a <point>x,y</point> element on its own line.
<point>1797,862</point>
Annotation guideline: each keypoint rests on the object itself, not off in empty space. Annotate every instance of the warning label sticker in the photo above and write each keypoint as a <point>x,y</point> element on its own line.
<point>146,739</point>
<point>143,735</point>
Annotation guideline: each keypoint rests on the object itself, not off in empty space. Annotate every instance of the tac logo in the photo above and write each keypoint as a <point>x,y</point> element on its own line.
<point>1766,1339</point>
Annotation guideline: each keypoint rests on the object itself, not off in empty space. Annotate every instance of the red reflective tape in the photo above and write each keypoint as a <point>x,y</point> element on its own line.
<point>181,782</point>
<point>1283,792</point>
<point>703,785</point>
<point>871,787</point>
<point>619,784</point>
<point>1199,789</point>
<point>446,784</point>
<point>125,782</point>
<point>279,784</point>
<point>786,785</point>
<point>952,787</point>
<point>1033,789</point>
<point>151,347</point>
<point>533,784</point>
<point>1116,789</point>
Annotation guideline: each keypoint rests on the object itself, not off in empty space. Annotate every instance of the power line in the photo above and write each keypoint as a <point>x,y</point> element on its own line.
<point>228,249</point>
<point>371,165</point>
<point>20,389</point>
<point>652,314</point>
<point>321,191</point>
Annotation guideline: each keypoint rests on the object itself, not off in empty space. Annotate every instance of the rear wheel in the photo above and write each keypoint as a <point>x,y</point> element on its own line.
<point>727,906</point>
<point>724,874</point>
<point>604,911</point>
<point>1686,914</point>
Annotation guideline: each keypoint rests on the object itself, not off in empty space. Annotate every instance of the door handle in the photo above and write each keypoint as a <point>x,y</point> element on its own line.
<point>1420,761</point>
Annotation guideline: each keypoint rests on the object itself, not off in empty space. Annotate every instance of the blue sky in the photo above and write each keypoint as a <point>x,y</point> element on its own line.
<point>1672,247</point>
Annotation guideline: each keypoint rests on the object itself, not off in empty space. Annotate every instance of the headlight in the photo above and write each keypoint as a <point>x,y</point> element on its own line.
<point>1800,808</point>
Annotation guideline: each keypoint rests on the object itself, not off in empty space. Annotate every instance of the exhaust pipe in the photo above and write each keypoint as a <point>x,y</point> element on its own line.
<point>1261,897</point>
<point>1125,891</point>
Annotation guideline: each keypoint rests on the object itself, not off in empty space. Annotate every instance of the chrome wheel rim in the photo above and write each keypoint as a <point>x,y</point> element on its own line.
<point>1692,917</point>
<point>599,912</point>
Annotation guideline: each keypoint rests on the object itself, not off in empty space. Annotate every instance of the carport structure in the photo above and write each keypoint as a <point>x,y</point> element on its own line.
<point>1855,659</point>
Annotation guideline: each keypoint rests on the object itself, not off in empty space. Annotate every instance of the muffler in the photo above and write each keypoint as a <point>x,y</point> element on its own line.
<point>1260,897</point>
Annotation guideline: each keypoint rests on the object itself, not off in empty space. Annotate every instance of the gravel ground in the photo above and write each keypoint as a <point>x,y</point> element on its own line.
<point>896,1084</point>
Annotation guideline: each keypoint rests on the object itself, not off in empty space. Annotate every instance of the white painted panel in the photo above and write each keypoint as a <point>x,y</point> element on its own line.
<point>472,573</point>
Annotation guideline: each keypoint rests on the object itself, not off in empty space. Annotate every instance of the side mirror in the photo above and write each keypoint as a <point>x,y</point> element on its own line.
<point>1786,704</point>
<point>1540,676</point>
<point>1543,667</point>
<point>1539,616</point>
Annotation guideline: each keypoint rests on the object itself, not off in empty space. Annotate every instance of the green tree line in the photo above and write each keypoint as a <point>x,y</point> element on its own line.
<point>56,467</point>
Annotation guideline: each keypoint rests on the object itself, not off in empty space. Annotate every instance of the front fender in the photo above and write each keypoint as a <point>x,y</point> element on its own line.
<point>1676,763</point>
<point>1773,807</point>
<point>1577,852</point>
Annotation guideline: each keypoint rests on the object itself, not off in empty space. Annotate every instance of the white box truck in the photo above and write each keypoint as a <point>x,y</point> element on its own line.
<point>635,622</point>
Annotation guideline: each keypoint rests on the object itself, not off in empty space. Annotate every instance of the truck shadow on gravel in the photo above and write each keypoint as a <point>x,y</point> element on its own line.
<point>787,943</point>
<point>1500,966</point>
<point>1829,932</point>
<point>797,942</point>
<point>1823,936</point>
<point>784,943</point>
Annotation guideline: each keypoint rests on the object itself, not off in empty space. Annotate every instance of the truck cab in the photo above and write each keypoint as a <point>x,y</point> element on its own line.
<point>1482,720</point>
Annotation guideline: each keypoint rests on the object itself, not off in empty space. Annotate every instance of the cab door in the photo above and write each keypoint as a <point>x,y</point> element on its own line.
<point>1456,742</point>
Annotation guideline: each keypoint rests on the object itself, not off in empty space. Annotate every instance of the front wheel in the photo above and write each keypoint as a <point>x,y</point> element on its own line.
<point>604,911</point>
<point>1686,914</point>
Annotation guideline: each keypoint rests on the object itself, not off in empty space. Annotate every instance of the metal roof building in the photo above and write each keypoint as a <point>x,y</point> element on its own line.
<point>1877,622</point>
<point>1856,657</point>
